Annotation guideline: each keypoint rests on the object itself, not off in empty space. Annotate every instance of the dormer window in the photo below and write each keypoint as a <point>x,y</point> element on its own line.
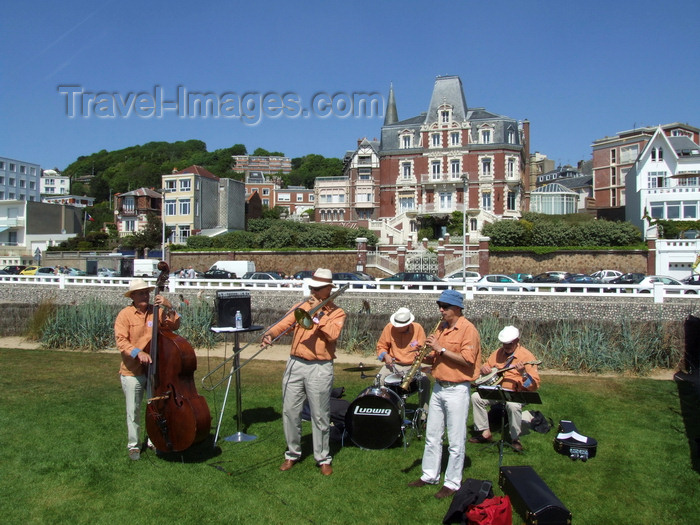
<point>406,141</point>
<point>486,136</point>
<point>444,116</point>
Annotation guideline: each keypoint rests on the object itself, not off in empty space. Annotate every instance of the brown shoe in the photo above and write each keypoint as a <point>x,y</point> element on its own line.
<point>288,464</point>
<point>418,483</point>
<point>517,446</point>
<point>444,492</point>
<point>326,469</point>
<point>480,439</point>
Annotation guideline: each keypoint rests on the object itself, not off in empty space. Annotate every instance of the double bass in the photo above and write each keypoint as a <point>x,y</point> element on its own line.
<point>177,417</point>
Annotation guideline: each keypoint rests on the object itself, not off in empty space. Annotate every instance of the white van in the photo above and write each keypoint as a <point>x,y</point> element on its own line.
<point>237,268</point>
<point>145,267</point>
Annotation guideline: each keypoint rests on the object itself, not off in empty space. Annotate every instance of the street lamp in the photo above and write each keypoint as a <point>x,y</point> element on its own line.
<point>465,200</point>
<point>162,191</point>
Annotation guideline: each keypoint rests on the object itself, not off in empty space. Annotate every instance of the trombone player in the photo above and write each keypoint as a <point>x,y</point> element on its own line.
<point>309,371</point>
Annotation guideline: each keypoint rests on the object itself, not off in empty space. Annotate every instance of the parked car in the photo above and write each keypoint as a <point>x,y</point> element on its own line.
<point>522,277</point>
<point>29,270</point>
<point>692,280</point>
<point>625,278</point>
<point>581,278</point>
<point>605,276</point>
<point>646,285</point>
<point>107,272</point>
<point>462,277</point>
<point>364,276</point>
<point>74,272</point>
<point>36,270</point>
<point>417,277</point>
<point>264,276</point>
<point>550,277</point>
<point>629,278</point>
<point>217,274</point>
<point>500,283</point>
<point>303,274</point>
<point>350,276</point>
<point>14,269</point>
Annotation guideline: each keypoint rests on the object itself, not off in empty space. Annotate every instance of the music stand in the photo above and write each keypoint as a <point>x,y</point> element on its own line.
<point>235,369</point>
<point>504,395</point>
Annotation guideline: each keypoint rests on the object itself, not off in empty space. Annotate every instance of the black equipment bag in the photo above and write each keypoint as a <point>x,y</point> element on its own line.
<point>472,492</point>
<point>531,497</point>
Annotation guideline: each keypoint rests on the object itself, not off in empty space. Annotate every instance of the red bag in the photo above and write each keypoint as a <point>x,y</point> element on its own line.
<point>492,511</point>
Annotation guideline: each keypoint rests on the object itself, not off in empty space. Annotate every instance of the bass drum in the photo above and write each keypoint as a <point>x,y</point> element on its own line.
<point>374,418</point>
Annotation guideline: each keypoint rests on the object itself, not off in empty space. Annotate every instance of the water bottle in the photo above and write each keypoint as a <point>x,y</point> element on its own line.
<point>239,320</point>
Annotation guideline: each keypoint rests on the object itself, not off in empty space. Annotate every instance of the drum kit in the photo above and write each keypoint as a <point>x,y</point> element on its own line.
<point>378,416</point>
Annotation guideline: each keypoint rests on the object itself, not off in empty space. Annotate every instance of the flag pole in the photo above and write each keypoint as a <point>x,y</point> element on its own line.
<point>84,222</point>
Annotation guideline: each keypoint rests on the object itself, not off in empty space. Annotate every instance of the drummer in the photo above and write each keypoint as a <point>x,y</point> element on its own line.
<point>397,347</point>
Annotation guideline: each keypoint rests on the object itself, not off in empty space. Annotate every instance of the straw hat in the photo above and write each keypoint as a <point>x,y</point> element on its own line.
<point>321,277</point>
<point>402,317</point>
<point>138,284</point>
<point>508,335</point>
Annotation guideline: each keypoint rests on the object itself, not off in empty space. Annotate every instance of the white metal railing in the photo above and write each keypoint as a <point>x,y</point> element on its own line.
<point>658,292</point>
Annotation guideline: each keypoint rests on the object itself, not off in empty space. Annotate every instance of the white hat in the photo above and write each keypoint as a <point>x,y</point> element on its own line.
<point>508,335</point>
<point>138,284</point>
<point>402,317</point>
<point>321,277</point>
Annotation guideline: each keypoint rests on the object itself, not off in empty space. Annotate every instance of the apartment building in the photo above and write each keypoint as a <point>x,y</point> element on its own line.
<point>19,180</point>
<point>614,156</point>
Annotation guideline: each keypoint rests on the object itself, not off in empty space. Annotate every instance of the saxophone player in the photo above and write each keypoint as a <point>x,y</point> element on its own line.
<point>398,343</point>
<point>456,360</point>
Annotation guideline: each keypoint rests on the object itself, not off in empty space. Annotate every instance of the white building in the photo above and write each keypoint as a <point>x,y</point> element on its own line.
<point>53,183</point>
<point>664,181</point>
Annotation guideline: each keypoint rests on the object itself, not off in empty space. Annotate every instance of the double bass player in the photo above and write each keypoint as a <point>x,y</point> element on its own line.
<point>133,329</point>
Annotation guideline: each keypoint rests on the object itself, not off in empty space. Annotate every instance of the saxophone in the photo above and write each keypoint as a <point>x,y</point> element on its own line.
<point>422,352</point>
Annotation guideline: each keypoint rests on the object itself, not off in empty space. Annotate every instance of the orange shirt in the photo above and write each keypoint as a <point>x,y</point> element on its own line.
<point>134,329</point>
<point>401,343</point>
<point>464,339</point>
<point>512,379</point>
<point>317,344</point>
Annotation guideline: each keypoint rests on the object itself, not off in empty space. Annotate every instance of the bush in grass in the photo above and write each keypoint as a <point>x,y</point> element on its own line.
<point>37,323</point>
<point>90,326</point>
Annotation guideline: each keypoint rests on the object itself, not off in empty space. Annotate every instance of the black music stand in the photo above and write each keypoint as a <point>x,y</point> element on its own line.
<point>498,393</point>
<point>235,369</point>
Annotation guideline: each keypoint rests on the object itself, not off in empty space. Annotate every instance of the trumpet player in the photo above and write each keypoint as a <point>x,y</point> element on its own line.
<point>456,359</point>
<point>309,372</point>
<point>398,343</point>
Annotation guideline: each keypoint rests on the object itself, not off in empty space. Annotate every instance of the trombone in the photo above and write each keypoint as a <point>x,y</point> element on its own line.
<point>303,318</point>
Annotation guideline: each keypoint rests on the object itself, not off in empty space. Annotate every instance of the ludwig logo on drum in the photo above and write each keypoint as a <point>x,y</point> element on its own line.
<point>368,411</point>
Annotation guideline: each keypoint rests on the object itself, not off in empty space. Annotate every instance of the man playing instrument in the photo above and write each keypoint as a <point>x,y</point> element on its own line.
<point>133,329</point>
<point>456,358</point>
<point>309,372</point>
<point>397,346</point>
<point>520,374</point>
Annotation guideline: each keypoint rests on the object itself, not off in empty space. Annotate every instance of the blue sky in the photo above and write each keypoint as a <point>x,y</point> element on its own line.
<point>578,71</point>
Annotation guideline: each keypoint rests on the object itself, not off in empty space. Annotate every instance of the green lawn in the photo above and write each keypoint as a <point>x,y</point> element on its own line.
<point>63,457</point>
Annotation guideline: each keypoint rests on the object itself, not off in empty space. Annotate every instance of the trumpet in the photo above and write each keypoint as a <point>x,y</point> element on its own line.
<point>422,352</point>
<point>303,318</point>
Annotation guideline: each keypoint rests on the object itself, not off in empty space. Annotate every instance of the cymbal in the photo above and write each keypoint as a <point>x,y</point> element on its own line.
<point>360,368</point>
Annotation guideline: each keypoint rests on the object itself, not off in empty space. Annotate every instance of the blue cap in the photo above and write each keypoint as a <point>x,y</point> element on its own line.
<point>452,297</point>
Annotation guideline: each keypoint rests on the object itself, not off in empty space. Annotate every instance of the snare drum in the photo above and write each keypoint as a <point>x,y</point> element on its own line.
<point>374,418</point>
<point>394,381</point>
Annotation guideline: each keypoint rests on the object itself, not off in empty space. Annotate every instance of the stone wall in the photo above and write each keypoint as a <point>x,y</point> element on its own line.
<point>269,305</point>
<point>575,262</point>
